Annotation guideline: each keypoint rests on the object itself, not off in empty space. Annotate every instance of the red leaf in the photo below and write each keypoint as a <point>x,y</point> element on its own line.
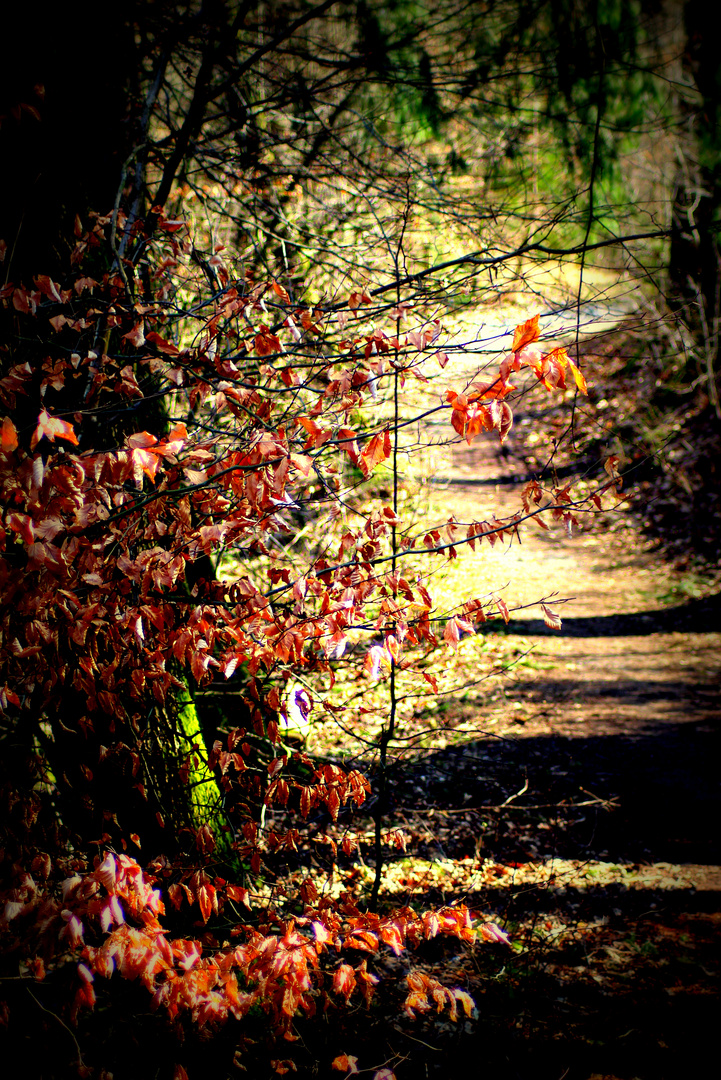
<point>391,936</point>
<point>141,440</point>
<point>347,442</point>
<point>161,344</point>
<point>451,635</point>
<point>431,680</point>
<point>611,467</point>
<point>302,463</point>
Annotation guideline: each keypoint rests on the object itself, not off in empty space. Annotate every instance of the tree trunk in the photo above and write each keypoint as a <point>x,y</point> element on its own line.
<point>71,105</point>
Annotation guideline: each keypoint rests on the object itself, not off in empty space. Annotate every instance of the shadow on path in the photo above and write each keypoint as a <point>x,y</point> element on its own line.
<point>658,797</point>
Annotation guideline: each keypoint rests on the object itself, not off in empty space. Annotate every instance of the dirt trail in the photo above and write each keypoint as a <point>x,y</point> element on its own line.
<point>605,866</point>
<point>632,677</point>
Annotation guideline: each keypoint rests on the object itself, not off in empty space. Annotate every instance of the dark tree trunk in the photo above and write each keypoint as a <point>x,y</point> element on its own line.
<point>68,100</point>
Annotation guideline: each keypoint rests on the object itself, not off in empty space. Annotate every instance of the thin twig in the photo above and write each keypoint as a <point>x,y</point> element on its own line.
<point>81,1063</point>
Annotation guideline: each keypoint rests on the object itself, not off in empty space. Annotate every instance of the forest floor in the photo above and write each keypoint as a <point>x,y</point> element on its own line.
<point>573,798</point>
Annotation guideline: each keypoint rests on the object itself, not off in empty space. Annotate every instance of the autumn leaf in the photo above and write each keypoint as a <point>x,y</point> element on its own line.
<point>48,287</point>
<point>136,336</point>
<point>344,981</point>
<point>235,892</point>
<point>141,440</point>
<point>553,369</point>
<point>9,435</point>
<point>161,344</point>
<point>281,292</point>
<point>578,376</point>
<point>347,441</point>
<point>505,421</point>
<point>266,343</point>
<point>52,427</point>
<point>345,1063</point>
<point>611,468</point>
<point>492,933</point>
<point>551,619</point>
<point>207,901</point>
<point>502,607</point>
<point>525,333</point>
<point>376,450</point>
<point>451,635</point>
<point>144,461</point>
<point>302,463</point>
<point>317,435</point>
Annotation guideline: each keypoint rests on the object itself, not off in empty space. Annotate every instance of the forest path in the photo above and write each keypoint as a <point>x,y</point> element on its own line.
<point>584,817</point>
<point>633,674</point>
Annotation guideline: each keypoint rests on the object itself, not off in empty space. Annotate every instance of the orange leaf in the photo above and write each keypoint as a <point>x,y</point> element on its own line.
<point>345,1063</point>
<point>578,376</point>
<point>52,427</point>
<point>526,333</point>
<point>347,442</point>
<point>9,435</point>
<point>141,440</point>
<point>302,462</point>
<point>344,981</point>
<point>391,935</point>
<point>48,287</point>
<point>281,292</point>
<point>458,420</point>
<point>145,461</point>
<point>235,892</point>
<point>316,435</point>
<point>376,450</point>
<point>207,901</point>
